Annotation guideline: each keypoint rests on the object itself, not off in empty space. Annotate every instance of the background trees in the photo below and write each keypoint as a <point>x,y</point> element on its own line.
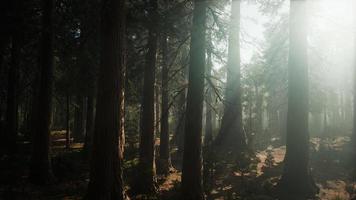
<point>130,80</point>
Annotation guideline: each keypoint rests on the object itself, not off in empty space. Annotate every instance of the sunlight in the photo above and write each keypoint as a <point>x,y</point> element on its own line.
<point>333,13</point>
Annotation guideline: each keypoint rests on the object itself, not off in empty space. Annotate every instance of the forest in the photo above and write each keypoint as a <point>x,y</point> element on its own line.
<point>178,100</point>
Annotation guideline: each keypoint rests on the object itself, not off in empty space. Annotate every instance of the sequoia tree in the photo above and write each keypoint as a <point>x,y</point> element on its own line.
<point>231,131</point>
<point>106,164</point>
<point>192,160</point>
<point>13,79</point>
<point>296,179</point>
<point>146,176</point>
<point>40,171</point>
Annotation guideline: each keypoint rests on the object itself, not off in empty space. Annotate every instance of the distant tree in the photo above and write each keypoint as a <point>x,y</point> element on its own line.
<point>40,171</point>
<point>192,160</point>
<point>164,150</point>
<point>296,179</point>
<point>146,174</point>
<point>106,164</point>
<point>231,132</point>
<point>208,138</point>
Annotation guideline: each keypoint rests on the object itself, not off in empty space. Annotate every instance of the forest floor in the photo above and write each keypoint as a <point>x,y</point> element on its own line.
<point>330,165</point>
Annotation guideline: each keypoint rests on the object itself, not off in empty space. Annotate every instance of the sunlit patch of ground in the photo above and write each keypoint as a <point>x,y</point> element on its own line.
<point>277,153</point>
<point>170,181</point>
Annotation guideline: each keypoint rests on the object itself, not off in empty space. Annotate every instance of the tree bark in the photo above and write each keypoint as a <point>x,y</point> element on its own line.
<point>106,181</point>
<point>192,159</point>
<point>296,180</point>
<point>40,171</point>
<point>231,134</point>
<point>146,176</point>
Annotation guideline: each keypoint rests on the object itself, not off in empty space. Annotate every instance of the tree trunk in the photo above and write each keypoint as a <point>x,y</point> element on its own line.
<point>106,165</point>
<point>231,134</point>
<point>12,97</point>
<point>209,98</point>
<point>40,171</point>
<point>90,123</point>
<point>78,119</point>
<point>296,179</point>
<point>146,176</point>
<point>192,160</point>
<point>164,151</point>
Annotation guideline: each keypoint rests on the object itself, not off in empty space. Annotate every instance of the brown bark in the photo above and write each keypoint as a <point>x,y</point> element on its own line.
<point>296,179</point>
<point>231,134</point>
<point>192,160</point>
<point>40,171</point>
<point>106,181</point>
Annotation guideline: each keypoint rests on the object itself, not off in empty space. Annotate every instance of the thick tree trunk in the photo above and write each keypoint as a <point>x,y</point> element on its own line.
<point>106,165</point>
<point>40,171</point>
<point>12,97</point>
<point>192,160</point>
<point>231,134</point>
<point>164,150</point>
<point>146,176</point>
<point>296,179</point>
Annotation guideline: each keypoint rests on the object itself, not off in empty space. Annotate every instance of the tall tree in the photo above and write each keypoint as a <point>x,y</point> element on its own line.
<point>40,161</point>
<point>164,153</point>
<point>13,79</point>
<point>296,179</point>
<point>147,171</point>
<point>231,131</point>
<point>209,96</point>
<point>192,159</point>
<point>106,165</point>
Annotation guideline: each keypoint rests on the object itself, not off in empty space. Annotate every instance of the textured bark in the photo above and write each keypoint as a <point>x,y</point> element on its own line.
<point>146,176</point>
<point>164,152</point>
<point>192,159</point>
<point>40,171</point>
<point>296,179</point>
<point>231,134</point>
<point>106,165</point>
